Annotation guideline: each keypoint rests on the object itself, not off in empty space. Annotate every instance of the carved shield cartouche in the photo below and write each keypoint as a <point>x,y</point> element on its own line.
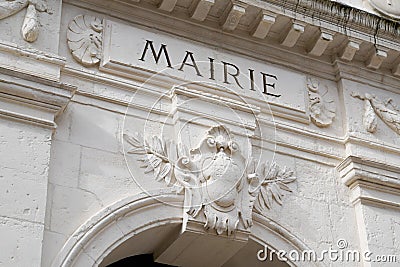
<point>221,184</point>
<point>215,177</point>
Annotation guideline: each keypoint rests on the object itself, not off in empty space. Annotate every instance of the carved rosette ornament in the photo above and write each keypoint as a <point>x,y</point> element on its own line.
<point>389,8</point>
<point>85,39</point>
<point>30,25</point>
<point>215,177</point>
<point>322,109</point>
<point>387,111</point>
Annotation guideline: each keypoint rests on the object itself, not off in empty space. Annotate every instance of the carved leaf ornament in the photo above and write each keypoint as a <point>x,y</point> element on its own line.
<point>386,111</point>
<point>85,39</point>
<point>275,180</point>
<point>30,25</point>
<point>214,177</point>
<point>156,158</point>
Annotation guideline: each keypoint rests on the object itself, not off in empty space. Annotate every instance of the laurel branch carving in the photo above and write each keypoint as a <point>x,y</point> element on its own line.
<point>215,177</point>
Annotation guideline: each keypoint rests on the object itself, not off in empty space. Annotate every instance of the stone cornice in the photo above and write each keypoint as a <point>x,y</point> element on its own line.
<point>371,182</point>
<point>32,53</point>
<point>356,169</point>
<point>31,99</point>
<point>340,15</point>
<point>318,32</point>
<point>376,195</point>
<point>21,59</point>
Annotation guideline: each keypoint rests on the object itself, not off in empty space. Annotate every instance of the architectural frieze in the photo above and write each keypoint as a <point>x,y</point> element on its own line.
<point>332,20</point>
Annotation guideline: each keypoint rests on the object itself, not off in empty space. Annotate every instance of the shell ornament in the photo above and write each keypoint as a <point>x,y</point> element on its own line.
<point>85,39</point>
<point>322,110</point>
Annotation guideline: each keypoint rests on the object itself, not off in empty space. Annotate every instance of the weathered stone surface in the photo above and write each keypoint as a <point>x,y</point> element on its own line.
<point>23,239</point>
<point>306,87</point>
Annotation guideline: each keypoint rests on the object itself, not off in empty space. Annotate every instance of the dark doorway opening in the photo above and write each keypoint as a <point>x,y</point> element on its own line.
<point>145,260</point>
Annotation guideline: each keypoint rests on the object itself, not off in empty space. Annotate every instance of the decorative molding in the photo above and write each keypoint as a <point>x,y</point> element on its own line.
<point>32,100</point>
<point>215,177</point>
<point>389,8</point>
<point>356,169</point>
<point>329,16</point>
<point>322,110</point>
<point>85,39</point>
<point>47,65</point>
<point>373,194</point>
<point>371,182</point>
<point>30,26</point>
<point>386,110</point>
<point>339,14</point>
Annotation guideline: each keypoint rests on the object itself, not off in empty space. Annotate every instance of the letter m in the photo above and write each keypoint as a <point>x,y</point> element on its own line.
<point>163,49</point>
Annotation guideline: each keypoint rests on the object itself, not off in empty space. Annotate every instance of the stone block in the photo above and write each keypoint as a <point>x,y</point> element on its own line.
<point>64,164</point>
<point>21,243</point>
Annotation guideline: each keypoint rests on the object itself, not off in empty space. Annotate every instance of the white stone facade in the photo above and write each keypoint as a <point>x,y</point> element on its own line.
<point>263,124</point>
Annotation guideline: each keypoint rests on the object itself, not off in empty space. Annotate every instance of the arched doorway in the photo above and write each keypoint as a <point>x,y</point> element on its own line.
<point>245,257</point>
<point>140,224</point>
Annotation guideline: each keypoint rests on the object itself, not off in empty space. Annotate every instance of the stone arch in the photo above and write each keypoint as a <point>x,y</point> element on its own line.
<point>115,224</point>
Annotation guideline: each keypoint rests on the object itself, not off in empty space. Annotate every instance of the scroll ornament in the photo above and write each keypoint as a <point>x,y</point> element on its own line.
<point>322,110</point>
<point>386,111</point>
<point>85,39</point>
<point>215,177</point>
<point>30,25</point>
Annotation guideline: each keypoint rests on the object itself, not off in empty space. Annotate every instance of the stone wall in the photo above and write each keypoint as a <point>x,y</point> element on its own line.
<point>315,97</point>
